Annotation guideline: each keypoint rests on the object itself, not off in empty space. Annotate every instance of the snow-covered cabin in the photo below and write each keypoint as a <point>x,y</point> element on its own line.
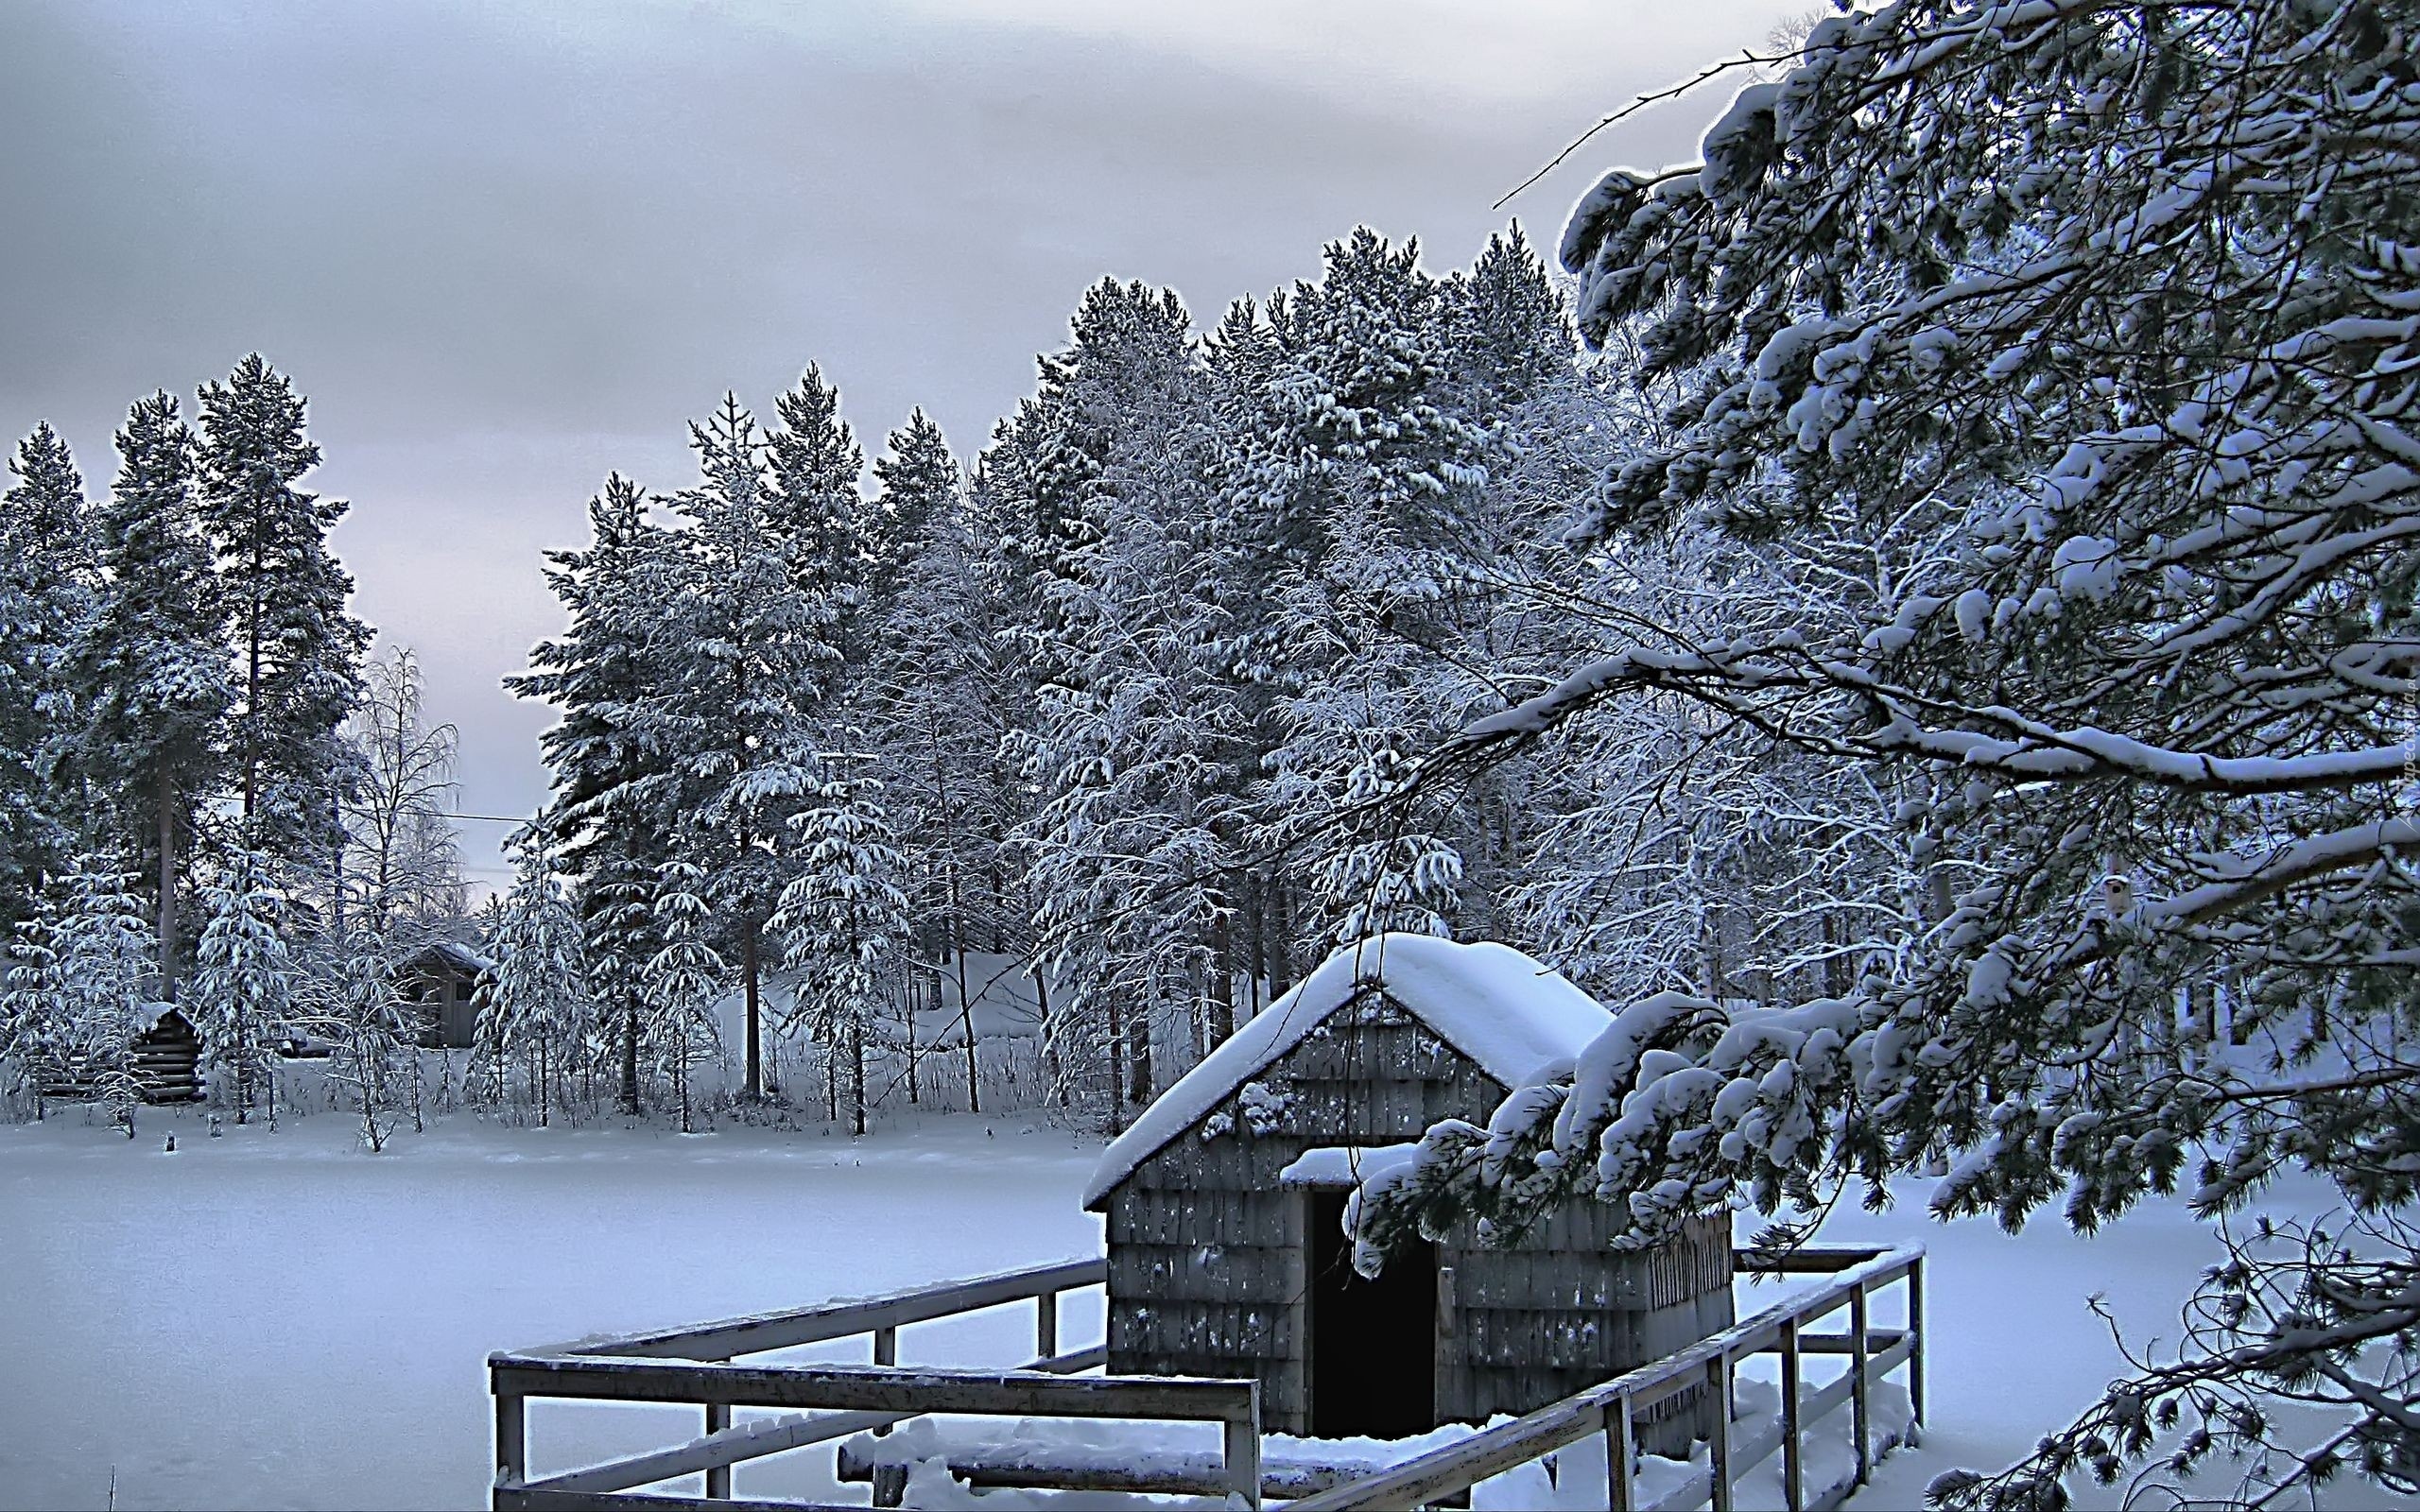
<point>440,978</point>
<point>1225,1201</point>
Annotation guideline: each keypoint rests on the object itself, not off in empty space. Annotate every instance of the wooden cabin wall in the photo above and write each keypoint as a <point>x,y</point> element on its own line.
<point>1206,1250</point>
<point>1559,1311</point>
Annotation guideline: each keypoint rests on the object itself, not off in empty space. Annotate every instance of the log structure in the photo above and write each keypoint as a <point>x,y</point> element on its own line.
<point>1225,1205</point>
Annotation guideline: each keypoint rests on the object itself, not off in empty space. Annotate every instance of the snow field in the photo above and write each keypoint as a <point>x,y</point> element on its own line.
<point>277,1320</point>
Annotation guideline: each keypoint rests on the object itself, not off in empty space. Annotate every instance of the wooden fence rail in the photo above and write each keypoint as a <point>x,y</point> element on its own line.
<point>693,1365</point>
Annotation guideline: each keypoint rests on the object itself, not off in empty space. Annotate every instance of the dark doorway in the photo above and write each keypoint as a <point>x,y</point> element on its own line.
<point>1374,1343</point>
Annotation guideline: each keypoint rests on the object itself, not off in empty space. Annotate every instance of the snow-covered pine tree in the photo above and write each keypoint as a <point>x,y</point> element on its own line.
<point>766,579</point>
<point>244,982</point>
<point>929,697</point>
<point>152,665</point>
<point>1351,499</point>
<point>282,597</point>
<point>606,822</point>
<point>536,1006</point>
<point>685,978</point>
<point>1126,858</point>
<point>2107,301</point>
<point>844,924</point>
<point>827,537</point>
<point>918,484</point>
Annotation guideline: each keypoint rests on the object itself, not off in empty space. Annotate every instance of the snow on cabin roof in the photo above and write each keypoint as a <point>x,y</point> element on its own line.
<point>1490,1002</point>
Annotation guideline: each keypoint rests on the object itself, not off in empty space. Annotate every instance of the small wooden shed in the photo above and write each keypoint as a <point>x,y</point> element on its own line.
<point>1225,1203</point>
<point>168,1058</point>
<point>442,978</point>
<point>165,1059</point>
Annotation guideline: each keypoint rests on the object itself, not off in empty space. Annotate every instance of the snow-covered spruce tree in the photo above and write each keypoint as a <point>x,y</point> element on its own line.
<point>29,1034</point>
<point>152,665</point>
<point>244,982</point>
<point>97,979</point>
<point>32,834</point>
<point>282,600</point>
<point>844,924</point>
<point>535,1006</point>
<point>683,978</point>
<point>605,822</point>
<point>765,575</point>
<point>2109,300</point>
<point>47,565</point>
<point>359,1010</point>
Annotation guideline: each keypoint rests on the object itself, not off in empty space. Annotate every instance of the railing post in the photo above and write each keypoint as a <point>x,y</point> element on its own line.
<point>1046,1325</point>
<point>1621,1451</point>
<point>512,1438</point>
<point>1719,1447</point>
<point>1793,1468</point>
<point>1241,1451</point>
<point>1916,1338</point>
<point>886,1351</point>
<point>718,1476</point>
<point>1860,1404</point>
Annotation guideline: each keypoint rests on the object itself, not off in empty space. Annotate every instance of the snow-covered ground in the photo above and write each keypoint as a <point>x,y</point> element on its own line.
<point>279,1320</point>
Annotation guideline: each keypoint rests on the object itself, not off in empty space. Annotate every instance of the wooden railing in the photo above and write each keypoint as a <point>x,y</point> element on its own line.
<point>693,1365</point>
<point>828,1402</point>
<point>1613,1409</point>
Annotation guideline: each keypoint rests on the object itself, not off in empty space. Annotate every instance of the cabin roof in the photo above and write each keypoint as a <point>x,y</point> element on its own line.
<point>1504,1010</point>
<point>453,953</point>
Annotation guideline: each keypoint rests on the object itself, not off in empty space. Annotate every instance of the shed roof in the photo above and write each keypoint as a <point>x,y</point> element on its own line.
<point>1504,1010</point>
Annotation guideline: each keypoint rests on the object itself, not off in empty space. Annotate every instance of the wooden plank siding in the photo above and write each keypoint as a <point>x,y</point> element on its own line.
<point>1206,1251</point>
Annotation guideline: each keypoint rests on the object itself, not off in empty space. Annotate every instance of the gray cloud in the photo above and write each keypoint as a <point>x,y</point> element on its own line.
<point>506,248</point>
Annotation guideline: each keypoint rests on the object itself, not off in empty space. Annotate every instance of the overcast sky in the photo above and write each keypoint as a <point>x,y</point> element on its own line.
<point>505,249</point>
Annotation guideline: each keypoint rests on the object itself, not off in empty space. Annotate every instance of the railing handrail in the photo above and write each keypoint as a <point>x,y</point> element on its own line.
<point>1459,1466</point>
<point>838,1318</point>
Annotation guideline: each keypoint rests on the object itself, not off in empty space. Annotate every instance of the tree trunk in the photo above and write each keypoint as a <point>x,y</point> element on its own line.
<point>1222,981</point>
<point>1280,973</point>
<point>857,1074</point>
<point>630,1054</point>
<point>965,1012</point>
<point>754,1088</point>
<point>167,887</point>
<point>1114,1046</point>
<point>1138,1059</point>
<point>907,1026</point>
